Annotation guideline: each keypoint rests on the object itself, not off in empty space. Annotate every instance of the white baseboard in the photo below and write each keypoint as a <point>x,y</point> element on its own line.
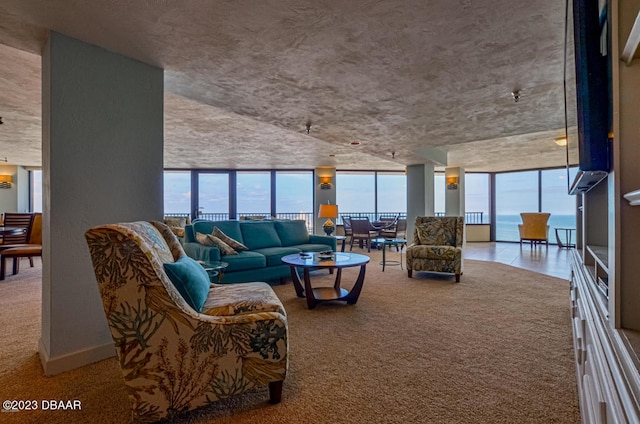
<point>53,366</point>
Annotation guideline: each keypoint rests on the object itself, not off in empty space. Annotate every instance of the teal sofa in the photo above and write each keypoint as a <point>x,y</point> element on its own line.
<point>267,240</point>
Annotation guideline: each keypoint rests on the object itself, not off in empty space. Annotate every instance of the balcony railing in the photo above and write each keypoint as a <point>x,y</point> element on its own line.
<point>308,217</point>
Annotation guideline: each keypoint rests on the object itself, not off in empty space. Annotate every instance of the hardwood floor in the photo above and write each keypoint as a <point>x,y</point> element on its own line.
<point>545,260</point>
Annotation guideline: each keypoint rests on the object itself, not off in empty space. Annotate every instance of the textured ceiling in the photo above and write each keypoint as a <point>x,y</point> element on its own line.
<point>242,79</point>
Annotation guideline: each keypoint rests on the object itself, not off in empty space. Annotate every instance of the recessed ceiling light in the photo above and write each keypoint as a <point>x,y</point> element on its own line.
<point>332,155</point>
<point>355,143</point>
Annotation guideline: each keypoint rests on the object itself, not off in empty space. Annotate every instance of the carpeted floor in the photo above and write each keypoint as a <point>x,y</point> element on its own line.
<point>495,348</point>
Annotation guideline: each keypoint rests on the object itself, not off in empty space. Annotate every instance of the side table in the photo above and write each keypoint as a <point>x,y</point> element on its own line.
<point>384,242</point>
<point>215,270</point>
<point>568,232</point>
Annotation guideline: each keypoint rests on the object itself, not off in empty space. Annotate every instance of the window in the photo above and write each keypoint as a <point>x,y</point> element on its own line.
<point>557,201</point>
<point>438,193</point>
<point>355,193</point>
<point>294,196</point>
<point>392,193</point>
<point>253,190</point>
<point>36,191</point>
<point>177,192</point>
<point>476,198</point>
<point>213,196</point>
<point>515,192</point>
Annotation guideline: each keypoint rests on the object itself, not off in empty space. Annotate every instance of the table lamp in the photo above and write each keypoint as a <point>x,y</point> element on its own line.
<point>328,211</point>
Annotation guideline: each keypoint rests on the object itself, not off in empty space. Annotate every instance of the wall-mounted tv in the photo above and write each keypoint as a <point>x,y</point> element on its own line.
<point>587,90</point>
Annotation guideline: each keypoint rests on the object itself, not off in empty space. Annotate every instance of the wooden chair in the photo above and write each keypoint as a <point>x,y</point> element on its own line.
<point>23,250</point>
<point>20,220</point>
<point>348,231</point>
<point>363,231</point>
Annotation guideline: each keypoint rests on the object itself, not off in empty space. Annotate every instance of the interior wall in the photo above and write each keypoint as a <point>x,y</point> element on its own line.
<point>324,195</point>
<point>9,196</point>
<point>420,194</point>
<point>102,163</point>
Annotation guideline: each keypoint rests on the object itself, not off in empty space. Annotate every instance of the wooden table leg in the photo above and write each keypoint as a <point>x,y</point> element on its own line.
<point>353,295</point>
<point>297,284</point>
<point>311,300</point>
<point>336,285</point>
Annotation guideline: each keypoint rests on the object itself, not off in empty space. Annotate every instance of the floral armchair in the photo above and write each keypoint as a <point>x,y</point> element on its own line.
<point>175,356</point>
<point>437,245</point>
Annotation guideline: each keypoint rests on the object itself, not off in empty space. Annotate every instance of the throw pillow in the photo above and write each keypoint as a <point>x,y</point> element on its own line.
<point>234,244</point>
<point>203,239</point>
<point>225,249</point>
<point>190,279</point>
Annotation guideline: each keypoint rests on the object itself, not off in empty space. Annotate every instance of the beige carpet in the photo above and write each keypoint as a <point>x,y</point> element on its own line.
<point>495,348</point>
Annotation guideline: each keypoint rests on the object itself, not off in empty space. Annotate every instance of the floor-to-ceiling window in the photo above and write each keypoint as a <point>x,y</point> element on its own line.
<point>294,196</point>
<point>439,197</point>
<point>36,191</point>
<point>213,195</point>
<point>515,192</point>
<point>556,201</point>
<point>476,198</point>
<point>392,193</point>
<point>253,191</point>
<point>177,192</point>
<point>355,193</point>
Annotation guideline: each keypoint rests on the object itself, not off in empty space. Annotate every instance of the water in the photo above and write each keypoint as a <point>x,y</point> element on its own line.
<point>507,226</point>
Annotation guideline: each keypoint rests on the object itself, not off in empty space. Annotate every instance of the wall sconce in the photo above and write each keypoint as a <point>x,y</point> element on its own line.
<point>562,141</point>
<point>5,181</point>
<point>325,183</point>
<point>452,183</point>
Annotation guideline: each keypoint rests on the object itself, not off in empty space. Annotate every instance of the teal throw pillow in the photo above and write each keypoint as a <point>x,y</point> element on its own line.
<point>191,280</point>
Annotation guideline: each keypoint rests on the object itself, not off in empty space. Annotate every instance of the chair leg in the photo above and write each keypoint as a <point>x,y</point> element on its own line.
<point>409,272</point>
<point>3,267</point>
<point>16,265</point>
<point>31,261</point>
<point>457,278</point>
<point>275,391</point>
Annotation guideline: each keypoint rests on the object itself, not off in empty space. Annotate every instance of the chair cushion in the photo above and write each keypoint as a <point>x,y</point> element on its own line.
<point>437,232</point>
<point>259,234</point>
<point>237,299</point>
<point>23,250</point>
<point>292,232</point>
<point>190,279</point>
<point>445,253</point>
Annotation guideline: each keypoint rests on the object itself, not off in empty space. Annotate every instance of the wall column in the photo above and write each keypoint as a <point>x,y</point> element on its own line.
<point>454,192</point>
<point>102,141</point>
<point>420,194</point>
<point>323,195</point>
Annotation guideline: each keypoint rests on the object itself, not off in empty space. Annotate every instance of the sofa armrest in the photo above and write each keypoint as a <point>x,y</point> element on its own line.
<point>328,240</point>
<point>203,253</point>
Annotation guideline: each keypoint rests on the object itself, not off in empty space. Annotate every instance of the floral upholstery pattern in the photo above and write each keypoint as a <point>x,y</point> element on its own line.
<point>437,245</point>
<point>173,358</point>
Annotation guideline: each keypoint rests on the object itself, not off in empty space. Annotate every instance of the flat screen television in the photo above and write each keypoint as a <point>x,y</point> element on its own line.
<point>587,90</point>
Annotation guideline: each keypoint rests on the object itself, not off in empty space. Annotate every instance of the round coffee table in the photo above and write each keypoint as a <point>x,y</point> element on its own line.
<point>338,260</point>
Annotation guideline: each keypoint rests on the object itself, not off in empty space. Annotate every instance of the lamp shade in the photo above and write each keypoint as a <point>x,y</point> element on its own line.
<point>328,211</point>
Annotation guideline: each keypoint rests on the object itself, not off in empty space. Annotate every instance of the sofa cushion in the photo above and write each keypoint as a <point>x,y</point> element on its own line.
<point>190,279</point>
<point>292,232</point>
<point>244,260</point>
<point>275,254</point>
<point>230,228</point>
<point>259,234</point>
<point>230,241</point>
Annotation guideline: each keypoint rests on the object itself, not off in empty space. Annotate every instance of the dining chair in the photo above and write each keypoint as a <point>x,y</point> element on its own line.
<point>23,250</point>
<point>20,220</point>
<point>348,231</point>
<point>363,232</point>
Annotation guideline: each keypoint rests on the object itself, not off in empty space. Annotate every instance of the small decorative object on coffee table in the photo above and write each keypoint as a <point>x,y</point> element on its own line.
<point>330,260</point>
